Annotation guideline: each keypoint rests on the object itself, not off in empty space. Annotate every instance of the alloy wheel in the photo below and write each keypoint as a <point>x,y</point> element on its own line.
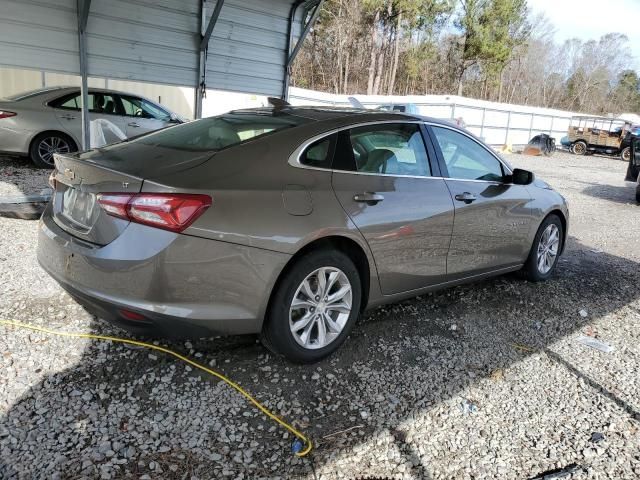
<point>49,146</point>
<point>548,248</point>
<point>320,308</point>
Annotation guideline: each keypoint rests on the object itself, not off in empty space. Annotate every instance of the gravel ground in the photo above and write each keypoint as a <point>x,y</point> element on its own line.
<point>480,381</point>
<point>18,176</point>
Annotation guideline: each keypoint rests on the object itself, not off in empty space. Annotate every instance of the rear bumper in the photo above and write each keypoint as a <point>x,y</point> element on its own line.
<point>184,286</point>
<point>15,141</point>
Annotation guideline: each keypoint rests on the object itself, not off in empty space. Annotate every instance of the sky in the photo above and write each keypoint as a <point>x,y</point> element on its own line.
<point>590,19</point>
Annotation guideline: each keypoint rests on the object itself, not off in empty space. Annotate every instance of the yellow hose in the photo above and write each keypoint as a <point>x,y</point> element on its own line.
<point>229,382</point>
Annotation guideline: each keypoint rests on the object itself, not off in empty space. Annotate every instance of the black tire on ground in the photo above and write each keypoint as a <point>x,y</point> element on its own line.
<point>530,271</point>
<point>625,154</point>
<point>579,148</point>
<point>276,333</point>
<point>63,142</point>
<point>638,195</point>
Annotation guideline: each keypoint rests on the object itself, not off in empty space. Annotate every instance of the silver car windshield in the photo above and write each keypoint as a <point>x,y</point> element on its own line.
<point>216,133</point>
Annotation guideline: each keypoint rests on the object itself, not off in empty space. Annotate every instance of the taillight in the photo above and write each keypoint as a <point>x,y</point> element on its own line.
<point>115,204</point>
<point>169,211</point>
<point>5,114</point>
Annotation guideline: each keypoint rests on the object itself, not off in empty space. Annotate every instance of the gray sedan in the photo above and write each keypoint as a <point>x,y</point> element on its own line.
<point>48,121</point>
<point>289,222</point>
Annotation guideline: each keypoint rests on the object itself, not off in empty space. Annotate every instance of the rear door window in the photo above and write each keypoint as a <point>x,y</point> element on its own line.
<point>388,149</point>
<point>98,103</point>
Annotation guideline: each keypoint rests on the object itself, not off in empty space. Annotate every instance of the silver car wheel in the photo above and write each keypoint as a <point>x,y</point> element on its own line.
<point>48,146</point>
<point>320,308</point>
<point>548,248</point>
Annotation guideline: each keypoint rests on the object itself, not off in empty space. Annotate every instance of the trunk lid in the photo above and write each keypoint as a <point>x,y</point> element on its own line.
<point>118,168</point>
<point>75,206</point>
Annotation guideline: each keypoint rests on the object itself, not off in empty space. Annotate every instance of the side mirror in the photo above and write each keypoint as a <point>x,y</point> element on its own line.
<point>175,119</point>
<point>522,177</point>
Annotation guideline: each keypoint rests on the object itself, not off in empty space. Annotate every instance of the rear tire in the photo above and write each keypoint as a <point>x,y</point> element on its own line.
<point>46,144</point>
<point>302,332</point>
<point>625,155</point>
<point>579,148</point>
<point>545,251</point>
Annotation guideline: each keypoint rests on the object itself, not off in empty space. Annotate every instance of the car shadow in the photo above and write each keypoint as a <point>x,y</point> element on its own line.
<point>400,361</point>
<point>618,194</point>
<point>24,188</point>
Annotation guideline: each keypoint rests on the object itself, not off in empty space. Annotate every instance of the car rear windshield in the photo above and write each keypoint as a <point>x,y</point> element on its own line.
<point>28,94</point>
<point>216,133</point>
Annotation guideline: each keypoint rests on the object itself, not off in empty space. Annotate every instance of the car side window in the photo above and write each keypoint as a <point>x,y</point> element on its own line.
<point>140,108</point>
<point>102,103</point>
<point>391,149</point>
<point>98,103</point>
<point>319,154</point>
<point>465,158</point>
<point>67,102</point>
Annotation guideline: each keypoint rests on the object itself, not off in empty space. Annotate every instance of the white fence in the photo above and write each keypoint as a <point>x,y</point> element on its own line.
<point>496,123</point>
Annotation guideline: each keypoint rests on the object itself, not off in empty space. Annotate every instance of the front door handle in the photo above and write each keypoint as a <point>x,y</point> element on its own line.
<point>133,124</point>
<point>68,117</point>
<point>370,198</point>
<point>465,197</point>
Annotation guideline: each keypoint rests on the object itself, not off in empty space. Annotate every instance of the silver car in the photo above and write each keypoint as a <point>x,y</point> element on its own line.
<point>48,121</point>
<point>289,222</point>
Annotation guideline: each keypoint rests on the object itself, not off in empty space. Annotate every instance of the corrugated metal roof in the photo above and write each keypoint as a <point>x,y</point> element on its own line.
<point>152,41</point>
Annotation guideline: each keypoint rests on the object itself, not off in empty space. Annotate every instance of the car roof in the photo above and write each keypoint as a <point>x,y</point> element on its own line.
<point>598,117</point>
<point>328,113</point>
<point>60,90</point>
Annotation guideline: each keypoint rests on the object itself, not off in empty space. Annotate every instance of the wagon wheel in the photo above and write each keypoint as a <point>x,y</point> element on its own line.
<point>579,148</point>
<point>626,154</point>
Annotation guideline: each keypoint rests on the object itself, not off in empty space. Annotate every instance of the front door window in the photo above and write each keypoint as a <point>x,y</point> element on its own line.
<point>465,158</point>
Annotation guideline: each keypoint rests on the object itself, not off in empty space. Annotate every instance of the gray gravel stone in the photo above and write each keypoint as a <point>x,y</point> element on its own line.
<point>386,405</point>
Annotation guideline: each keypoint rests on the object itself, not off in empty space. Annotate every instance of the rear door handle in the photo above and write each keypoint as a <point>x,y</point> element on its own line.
<point>133,124</point>
<point>369,198</point>
<point>465,197</point>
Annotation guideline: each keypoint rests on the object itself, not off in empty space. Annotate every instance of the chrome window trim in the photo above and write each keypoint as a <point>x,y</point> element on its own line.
<point>494,182</point>
<point>294,158</point>
<point>386,175</point>
<point>491,152</point>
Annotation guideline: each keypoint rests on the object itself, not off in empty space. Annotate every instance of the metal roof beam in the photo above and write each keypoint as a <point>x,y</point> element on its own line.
<point>305,32</point>
<point>205,37</point>
<point>292,54</point>
<point>83,7</point>
<point>204,43</point>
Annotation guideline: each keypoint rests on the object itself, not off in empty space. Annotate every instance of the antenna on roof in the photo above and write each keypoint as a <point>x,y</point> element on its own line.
<point>278,102</point>
<point>355,103</point>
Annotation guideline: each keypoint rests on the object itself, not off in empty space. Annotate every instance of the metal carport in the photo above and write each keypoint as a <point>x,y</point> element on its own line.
<point>235,45</point>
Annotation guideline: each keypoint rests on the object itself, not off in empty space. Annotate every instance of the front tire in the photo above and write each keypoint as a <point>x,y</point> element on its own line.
<point>313,307</point>
<point>545,251</point>
<point>46,144</point>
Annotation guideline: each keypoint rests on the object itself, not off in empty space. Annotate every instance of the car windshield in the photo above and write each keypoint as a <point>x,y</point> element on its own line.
<point>220,132</point>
